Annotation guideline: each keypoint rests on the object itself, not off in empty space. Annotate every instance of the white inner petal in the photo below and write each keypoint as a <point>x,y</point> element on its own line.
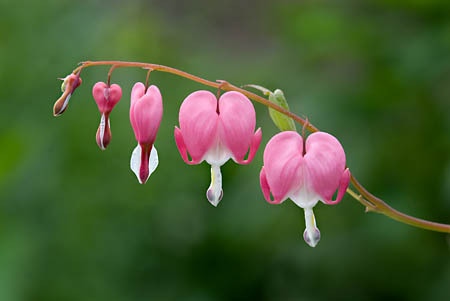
<point>217,154</point>
<point>135,162</point>
<point>214,192</point>
<point>312,233</point>
<point>153,161</point>
<point>102,131</point>
<point>305,197</point>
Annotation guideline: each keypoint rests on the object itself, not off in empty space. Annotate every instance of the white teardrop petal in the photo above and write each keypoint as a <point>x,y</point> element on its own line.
<point>102,131</point>
<point>214,193</point>
<point>135,162</point>
<point>153,161</point>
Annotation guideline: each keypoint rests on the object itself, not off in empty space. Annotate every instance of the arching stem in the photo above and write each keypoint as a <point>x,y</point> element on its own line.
<point>371,202</point>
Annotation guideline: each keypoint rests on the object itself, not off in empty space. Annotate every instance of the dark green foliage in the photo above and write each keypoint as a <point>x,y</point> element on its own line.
<point>76,225</point>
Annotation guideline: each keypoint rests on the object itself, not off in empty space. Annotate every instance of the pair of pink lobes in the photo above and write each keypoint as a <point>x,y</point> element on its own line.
<point>216,130</point>
<point>306,172</point>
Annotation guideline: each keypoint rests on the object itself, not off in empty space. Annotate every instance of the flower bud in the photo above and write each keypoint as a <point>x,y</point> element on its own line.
<point>70,83</point>
<point>283,122</point>
<point>106,98</point>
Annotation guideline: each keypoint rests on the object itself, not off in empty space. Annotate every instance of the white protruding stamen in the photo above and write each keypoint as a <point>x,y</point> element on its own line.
<point>312,233</point>
<point>214,192</point>
<point>135,162</point>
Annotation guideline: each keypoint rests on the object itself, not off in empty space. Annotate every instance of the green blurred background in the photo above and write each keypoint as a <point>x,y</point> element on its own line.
<point>76,225</point>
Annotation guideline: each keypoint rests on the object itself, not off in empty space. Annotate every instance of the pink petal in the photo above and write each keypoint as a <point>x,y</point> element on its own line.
<point>265,187</point>
<point>147,115</point>
<point>237,118</point>
<point>106,98</point>
<point>137,92</point>
<point>343,185</point>
<point>182,147</point>
<point>99,96</point>
<point>283,164</point>
<point>325,164</point>
<point>115,94</point>
<point>256,141</point>
<point>198,123</point>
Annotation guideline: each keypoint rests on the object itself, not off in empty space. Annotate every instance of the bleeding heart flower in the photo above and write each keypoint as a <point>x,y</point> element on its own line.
<point>106,98</point>
<point>145,115</point>
<point>70,83</point>
<point>306,172</point>
<point>215,131</point>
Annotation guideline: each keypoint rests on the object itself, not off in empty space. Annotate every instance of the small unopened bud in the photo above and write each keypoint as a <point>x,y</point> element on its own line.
<point>70,83</point>
<point>283,122</point>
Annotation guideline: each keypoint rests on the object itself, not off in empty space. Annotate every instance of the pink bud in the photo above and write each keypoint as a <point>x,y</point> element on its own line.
<point>216,131</point>
<point>70,83</point>
<point>145,116</point>
<point>106,98</point>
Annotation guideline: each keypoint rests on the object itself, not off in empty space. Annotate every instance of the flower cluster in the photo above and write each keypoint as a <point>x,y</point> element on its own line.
<point>217,129</point>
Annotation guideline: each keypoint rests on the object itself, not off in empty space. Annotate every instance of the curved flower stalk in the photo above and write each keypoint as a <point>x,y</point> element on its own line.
<point>70,83</point>
<point>362,195</point>
<point>145,116</point>
<point>306,172</point>
<point>106,98</point>
<point>215,131</point>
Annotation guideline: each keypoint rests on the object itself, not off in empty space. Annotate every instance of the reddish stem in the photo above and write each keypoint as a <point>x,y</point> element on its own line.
<point>371,202</point>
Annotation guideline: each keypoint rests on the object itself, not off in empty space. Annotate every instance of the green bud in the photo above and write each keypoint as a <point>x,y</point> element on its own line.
<point>283,122</point>
<point>63,86</point>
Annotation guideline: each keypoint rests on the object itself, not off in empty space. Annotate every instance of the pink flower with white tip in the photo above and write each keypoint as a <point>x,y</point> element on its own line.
<point>145,115</point>
<point>306,172</point>
<point>215,131</point>
<point>106,98</point>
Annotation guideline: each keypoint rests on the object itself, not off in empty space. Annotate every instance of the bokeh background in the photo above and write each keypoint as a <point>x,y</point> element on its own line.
<point>76,225</point>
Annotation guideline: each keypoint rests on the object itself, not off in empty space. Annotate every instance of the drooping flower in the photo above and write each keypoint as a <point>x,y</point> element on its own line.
<point>106,98</point>
<point>70,83</point>
<point>145,115</point>
<point>306,172</point>
<point>215,131</point>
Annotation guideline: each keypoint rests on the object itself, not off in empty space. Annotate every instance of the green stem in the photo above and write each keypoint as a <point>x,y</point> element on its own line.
<point>371,202</point>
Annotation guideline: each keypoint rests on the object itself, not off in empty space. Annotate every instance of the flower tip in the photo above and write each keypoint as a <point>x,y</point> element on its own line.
<point>61,104</point>
<point>312,237</point>
<point>213,198</point>
<point>143,177</point>
<point>144,163</point>
<point>103,136</point>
